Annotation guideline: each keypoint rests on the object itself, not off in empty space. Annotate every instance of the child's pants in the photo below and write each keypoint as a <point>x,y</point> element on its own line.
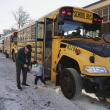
<point>37,78</point>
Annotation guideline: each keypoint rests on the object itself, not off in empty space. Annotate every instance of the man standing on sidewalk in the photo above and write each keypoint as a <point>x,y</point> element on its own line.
<point>23,62</point>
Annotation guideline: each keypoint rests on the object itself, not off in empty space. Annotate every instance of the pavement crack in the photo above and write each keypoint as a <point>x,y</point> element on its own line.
<point>3,98</point>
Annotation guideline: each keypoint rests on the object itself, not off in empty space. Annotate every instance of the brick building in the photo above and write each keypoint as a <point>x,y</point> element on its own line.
<point>102,8</point>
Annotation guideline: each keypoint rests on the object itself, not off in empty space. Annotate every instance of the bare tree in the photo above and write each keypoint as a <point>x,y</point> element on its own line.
<point>22,17</point>
<point>8,31</point>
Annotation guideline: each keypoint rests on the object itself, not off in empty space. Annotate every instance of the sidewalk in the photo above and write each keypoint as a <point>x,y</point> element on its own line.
<point>42,98</point>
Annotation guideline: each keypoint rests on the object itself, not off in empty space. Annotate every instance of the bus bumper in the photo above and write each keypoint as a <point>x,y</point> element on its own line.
<point>98,85</point>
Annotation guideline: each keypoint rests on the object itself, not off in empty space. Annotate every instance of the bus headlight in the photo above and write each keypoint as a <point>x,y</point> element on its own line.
<point>95,69</point>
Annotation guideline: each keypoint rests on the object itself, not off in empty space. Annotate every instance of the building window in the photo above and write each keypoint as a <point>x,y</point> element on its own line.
<point>105,13</point>
<point>100,12</point>
<point>105,18</point>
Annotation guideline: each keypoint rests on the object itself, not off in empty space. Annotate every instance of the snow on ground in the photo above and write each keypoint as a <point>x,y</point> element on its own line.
<point>42,98</point>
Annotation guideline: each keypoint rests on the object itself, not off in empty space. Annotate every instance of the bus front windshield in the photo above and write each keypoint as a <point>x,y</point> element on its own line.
<point>80,30</point>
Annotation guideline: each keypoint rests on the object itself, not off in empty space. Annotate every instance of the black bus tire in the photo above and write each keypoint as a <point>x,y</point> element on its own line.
<point>70,82</point>
<point>14,57</point>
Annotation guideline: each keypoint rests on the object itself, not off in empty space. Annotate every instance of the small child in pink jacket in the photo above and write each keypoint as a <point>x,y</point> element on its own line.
<point>37,70</point>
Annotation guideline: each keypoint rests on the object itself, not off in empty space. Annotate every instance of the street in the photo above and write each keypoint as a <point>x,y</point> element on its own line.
<point>42,98</point>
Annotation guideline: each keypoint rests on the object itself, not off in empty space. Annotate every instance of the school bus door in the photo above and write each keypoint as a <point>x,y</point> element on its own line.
<point>43,46</point>
<point>48,27</point>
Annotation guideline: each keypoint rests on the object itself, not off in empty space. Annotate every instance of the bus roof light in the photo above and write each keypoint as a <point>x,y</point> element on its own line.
<point>15,33</point>
<point>99,20</point>
<point>95,19</point>
<point>66,9</point>
<point>69,13</point>
<point>63,12</point>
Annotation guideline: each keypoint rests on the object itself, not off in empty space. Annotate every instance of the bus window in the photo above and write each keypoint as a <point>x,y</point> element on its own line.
<point>8,39</point>
<point>71,29</point>
<point>49,30</point>
<point>24,34</point>
<point>28,33</point>
<point>40,29</point>
<point>92,31</point>
<point>33,32</point>
<point>21,36</point>
<point>18,36</point>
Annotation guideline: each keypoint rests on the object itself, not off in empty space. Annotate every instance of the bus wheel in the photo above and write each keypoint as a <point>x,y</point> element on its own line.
<point>70,83</point>
<point>14,57</point>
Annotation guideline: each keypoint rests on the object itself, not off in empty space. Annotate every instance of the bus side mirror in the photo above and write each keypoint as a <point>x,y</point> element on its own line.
<point>106,37</point>
<point>60,32</point>
<point>60,19</point>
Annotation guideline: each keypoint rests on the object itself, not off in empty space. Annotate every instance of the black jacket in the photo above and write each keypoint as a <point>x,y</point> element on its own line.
<point>21,57</point>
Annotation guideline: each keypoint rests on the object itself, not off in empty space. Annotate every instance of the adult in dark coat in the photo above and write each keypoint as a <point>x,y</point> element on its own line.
<point>23,62</point>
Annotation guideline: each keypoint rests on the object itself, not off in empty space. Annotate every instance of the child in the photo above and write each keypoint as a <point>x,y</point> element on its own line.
<point>37,70</point>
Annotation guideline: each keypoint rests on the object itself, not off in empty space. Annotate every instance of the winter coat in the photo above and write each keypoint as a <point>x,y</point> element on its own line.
<point>21,58</point>
<point>38,70</point>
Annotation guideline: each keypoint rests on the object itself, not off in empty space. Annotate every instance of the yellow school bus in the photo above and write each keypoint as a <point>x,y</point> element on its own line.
<point>10,45</point>
<point>68,43</point>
